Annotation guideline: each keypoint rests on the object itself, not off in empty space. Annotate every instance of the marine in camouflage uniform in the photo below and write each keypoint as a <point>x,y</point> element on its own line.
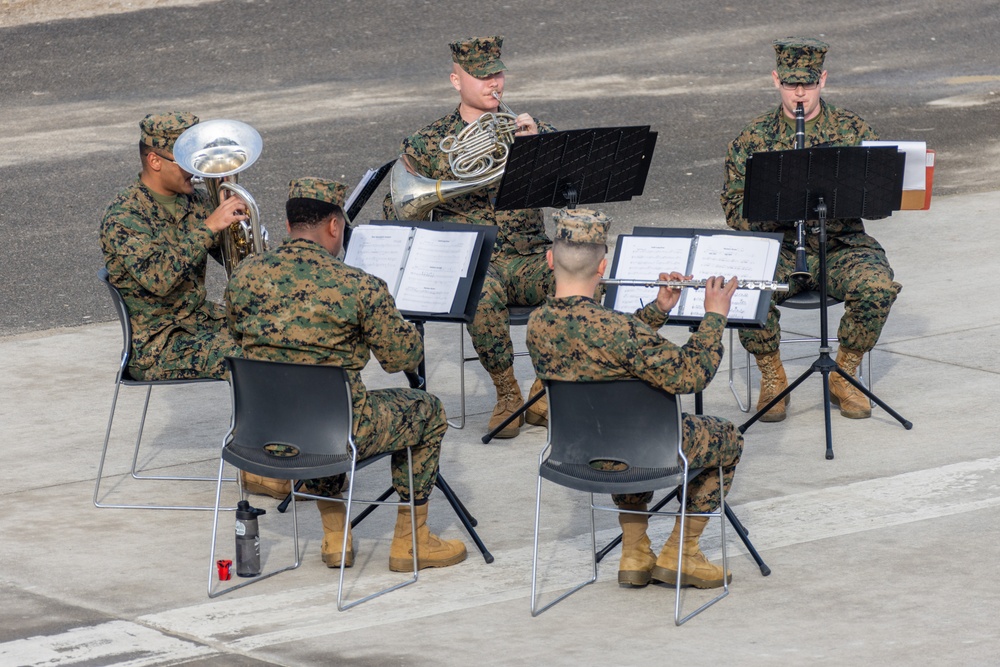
<point>858,271</point>
<point>156,246</point>
<point>518,274</point>
<point>300,304</point>
<point>574,338</point>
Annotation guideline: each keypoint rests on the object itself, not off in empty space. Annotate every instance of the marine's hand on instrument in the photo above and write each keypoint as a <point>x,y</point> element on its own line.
<point>526,125</point>
<point>719,294</point>
<point>667,297</point>
<point>230,210</point>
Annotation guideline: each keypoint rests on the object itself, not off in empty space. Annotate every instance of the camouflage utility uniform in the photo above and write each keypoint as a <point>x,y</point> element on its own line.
<point>858,272</point>
<point>518,273</point>
<point>156,255</point>
<point>577,339</point>
<point>300,304</point>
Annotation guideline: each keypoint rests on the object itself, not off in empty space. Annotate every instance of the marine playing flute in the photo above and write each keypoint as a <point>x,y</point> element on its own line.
<point>696,284</point>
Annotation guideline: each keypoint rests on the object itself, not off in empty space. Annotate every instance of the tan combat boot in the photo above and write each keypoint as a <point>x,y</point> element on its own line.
<point>432,551</point>
<point>695,569</point>
<point>538,413</point>
<point>853,404</point>
<point>772,382</point>
<point>509,400</point>
<point>637,558</point>
<point>265,486</point>
<point>334,517</point>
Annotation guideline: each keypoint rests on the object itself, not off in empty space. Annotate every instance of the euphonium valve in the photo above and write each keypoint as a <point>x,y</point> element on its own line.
<point>217,151</point>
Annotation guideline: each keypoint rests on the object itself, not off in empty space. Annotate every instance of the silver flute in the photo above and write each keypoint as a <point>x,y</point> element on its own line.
<point>696,284</point>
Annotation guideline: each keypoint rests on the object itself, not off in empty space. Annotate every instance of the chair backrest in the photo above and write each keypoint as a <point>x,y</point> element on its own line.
<point>307,406</point>
<point>122,311</point>
<point>627,421</point>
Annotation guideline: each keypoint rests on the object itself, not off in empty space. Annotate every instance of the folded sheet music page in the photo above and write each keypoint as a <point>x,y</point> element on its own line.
<point>436,263</point>
<point>379,250</point>
<point>645,257</point>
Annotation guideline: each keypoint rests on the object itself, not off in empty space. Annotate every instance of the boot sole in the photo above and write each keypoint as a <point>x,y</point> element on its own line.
<point>665,576</point>
<point>634,578</point>
<point>861,414</point>
<point>406,564</point>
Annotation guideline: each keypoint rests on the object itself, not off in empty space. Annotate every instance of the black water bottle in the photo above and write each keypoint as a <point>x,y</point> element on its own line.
<point>247,540</point>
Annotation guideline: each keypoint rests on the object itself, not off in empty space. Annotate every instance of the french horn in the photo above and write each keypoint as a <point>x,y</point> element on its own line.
<point>217,151</point>
<point>477,157</point>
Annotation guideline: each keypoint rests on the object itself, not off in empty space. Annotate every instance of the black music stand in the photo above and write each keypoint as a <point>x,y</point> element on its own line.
<point>563,169</point>
<point>463,309</point>
<point>832,182</point>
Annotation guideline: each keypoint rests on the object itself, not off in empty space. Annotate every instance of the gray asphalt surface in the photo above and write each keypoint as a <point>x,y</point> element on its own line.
<point>334,87</point>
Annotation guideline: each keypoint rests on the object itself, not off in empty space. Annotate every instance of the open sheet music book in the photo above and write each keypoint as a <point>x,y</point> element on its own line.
<point>747,257</point>
<point>422,267</point>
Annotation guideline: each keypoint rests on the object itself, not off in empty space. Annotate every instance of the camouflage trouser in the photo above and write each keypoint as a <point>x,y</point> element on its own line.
<point>858,276</point>
<point>400,418</point>
<point>519,280</point>
<point>708,443</point>
<point>190,355</point>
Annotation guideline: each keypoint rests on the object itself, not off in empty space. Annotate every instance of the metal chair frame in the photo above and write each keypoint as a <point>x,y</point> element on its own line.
<point>124,379</point>
<point>622,420</point>
<point>808,300</point>
<point>518,317</point>
<point>306,406</point>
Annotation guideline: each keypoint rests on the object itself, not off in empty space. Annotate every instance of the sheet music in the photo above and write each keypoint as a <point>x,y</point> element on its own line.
<point>746,257</point>
<point>436,263</point>
<point>379,250</point>
<point>915,165</point>
<point>644,258</point>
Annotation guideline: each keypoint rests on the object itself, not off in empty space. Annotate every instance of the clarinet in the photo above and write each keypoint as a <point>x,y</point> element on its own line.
<point>801,269</point>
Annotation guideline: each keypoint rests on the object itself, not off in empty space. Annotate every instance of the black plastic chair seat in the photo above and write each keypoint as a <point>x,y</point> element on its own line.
<point>808,300</point>
<point>586,478</point>
<point>260,462</point>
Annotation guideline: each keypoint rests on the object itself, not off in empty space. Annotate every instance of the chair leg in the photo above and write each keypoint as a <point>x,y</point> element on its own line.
<point>341,604</point>
<point>215,531</point>
<point>460,422</point>
<point>535,610</point>
<point>721,514</point>
<point>744,407</point>
<point>104,450</point>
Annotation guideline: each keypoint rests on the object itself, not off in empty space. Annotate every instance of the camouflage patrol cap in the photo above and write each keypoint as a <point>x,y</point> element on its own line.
<point>161,130</point>
<point>581,225</point>
<point>800,59</point>
<point>479,56</point>
<point>331,192</point>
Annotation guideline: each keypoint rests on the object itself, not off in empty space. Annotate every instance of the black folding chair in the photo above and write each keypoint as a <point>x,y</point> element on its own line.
<point>626,421</point>
<point>125,379</point>
<point>294,422</point>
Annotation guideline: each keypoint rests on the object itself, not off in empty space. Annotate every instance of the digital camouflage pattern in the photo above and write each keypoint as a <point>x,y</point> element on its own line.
<point>160,131</point>
<point>479,56</point>
<point>300,304</point>
<point>858,271</point>
<point>518,274</point>
<point>157,259</point>
<point>581,225</point>
<point>321,189</point>
<point>800,59</point>
<point>577,339</point>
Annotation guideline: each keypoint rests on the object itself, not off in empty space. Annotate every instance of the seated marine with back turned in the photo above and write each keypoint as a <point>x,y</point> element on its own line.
<point>298,303</point>
<point>573,338</point>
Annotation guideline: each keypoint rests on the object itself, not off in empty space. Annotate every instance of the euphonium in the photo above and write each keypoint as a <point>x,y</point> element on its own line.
<point>477,156</point>
<point>217,151</point>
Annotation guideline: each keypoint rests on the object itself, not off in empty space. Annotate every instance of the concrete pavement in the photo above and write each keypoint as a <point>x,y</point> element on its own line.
<point>883,555</point>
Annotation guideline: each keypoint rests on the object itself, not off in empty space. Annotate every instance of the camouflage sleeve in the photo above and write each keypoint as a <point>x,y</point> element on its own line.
<point>157,262</point>
<point>652,315</point>
<point>688,369</point>
<point>735,180</point>
<point>395,342</point>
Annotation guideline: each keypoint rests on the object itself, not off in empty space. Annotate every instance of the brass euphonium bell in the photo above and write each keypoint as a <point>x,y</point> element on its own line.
<point>217,151</point>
